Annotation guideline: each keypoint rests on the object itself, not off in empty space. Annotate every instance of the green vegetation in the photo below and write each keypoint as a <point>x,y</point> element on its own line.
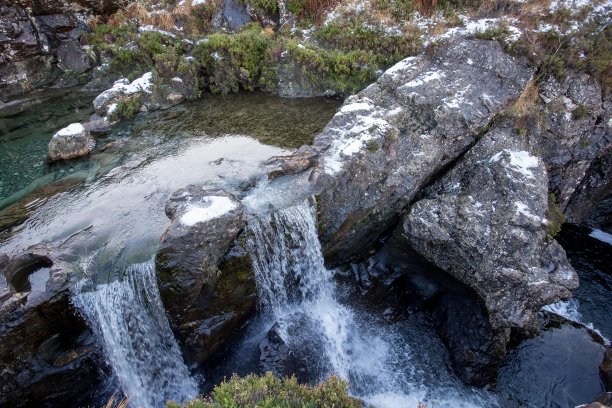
<point>127,108</point>
<point>554,215</point>
<point>268,391</point>
<point>581,112</point>
<point>371,37</point>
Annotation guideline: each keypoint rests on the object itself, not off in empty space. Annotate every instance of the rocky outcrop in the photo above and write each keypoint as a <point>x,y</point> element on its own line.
<point>41,40</point>
<point>72,141</point>
<point>485,223</point>
<point>591,202</point>
<point>204,273</point>
<point>47,353</point>
<point>397,135</point>
<point>569,126</point>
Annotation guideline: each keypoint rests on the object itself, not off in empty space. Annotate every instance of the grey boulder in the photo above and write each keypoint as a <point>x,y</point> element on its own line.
<point>72,141</point>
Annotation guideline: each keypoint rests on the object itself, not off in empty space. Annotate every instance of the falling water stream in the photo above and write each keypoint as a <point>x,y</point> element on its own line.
<point>129,320</point>
<point>298,293</point>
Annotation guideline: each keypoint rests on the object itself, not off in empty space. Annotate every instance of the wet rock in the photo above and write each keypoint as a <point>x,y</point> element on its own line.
<point>47,353</point>
<point>98,125</point>
<point>477,351</point>
<point>39,41</point>
<point>286,359</point>
<point>605,369</point>
<point>303,159</point>
<point>72,141</point>
<point>401,132</point>
<point>204,273</point>
<point>591,202</point>
<point>484,223</point>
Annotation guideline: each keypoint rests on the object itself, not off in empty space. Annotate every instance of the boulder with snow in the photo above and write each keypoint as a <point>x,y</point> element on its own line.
<point>204,274</point>
<point>122,89</point>
<point>400,133</point>
<point>72,141</point>
<point>485,223</point>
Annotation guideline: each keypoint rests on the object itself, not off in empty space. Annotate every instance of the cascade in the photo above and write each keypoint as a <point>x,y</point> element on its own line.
<point>129,320</point>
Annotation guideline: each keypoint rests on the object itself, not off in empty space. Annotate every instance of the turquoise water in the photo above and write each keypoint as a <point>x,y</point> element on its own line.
<point>25,134</point>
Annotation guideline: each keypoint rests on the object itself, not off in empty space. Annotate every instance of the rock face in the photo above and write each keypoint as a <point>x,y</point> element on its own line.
<point>397,135</point>
<point>47,353</point>
<point>591,202</point>
<point>72,141</point>
<point>204,274</point>
<point>41,40</point>
<point>485,223</point>
<point>570,127</point>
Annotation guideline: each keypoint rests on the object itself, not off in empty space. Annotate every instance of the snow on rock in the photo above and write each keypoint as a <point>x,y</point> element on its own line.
<point>122,87</point>
<point>519,161</point>
<point>151,29</point>
<point>212,207</point>
<point>72,129</point>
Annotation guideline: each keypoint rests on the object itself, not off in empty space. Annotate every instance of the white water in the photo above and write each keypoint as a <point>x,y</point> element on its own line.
<point>130,323</point>
<point>299,293</point>
<point>570,309</point>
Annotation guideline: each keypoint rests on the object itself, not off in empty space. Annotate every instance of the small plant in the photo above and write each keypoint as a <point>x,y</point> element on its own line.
<point>127,108</point>
<point>554,215</point>
<point>270,391</point>
<point>372,146</point>
<point>580,112</point>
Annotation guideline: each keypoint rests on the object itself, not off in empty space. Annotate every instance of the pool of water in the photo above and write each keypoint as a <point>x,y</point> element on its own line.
<point>26,131</point>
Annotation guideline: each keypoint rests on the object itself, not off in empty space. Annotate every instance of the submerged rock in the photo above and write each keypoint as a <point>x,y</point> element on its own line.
<point>204,274</point>
<point>72,141</point>
<point>485,224</point>
<point>397,135</point>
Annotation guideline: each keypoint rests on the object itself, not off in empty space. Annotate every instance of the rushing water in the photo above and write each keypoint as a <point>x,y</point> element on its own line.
<point>130,321</point>
<point>298,294</point>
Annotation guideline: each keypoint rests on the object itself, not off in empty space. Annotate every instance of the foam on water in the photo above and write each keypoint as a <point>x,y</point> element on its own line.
<point>130,323</point>
<point>294,286</point>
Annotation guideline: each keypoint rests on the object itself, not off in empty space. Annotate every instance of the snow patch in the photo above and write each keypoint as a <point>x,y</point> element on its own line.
<point>151,29</point>
<point>519,161</point>
<point>71,130</point>
<point>217,206</point>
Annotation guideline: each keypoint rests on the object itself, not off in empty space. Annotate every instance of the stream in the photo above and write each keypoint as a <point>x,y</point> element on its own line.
<point>113,201</point>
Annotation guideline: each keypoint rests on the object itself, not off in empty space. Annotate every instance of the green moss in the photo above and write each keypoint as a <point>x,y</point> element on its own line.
<point>580,112</point>
<point>499,33</point>
<point>268,391</point>
<point>127,108</point>
<point>372,146</point>
<point>232,62</point>
<point>267,6</point>
<point>554,215</point>
<point>371,37</point>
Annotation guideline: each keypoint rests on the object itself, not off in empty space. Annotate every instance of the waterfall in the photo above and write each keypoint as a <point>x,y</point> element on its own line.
<point>294,286</point>
<point>130,323</point>
<point>298,294</point>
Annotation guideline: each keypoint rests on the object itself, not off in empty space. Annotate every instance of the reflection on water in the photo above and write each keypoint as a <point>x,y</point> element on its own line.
<point>122,202</point>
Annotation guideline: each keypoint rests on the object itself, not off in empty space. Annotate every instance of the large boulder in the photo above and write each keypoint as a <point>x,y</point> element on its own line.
<point>204,273</point>
<point>484,222</point>
<point>47,354</point>
<point>400,133</point>
<point>72,141</point>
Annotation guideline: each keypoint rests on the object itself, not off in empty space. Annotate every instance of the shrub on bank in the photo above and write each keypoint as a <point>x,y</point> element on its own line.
<point>269,391</point>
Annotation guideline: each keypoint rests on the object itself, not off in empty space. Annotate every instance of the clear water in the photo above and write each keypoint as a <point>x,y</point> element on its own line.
<point>130,322</point>
<point>25,134</point>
